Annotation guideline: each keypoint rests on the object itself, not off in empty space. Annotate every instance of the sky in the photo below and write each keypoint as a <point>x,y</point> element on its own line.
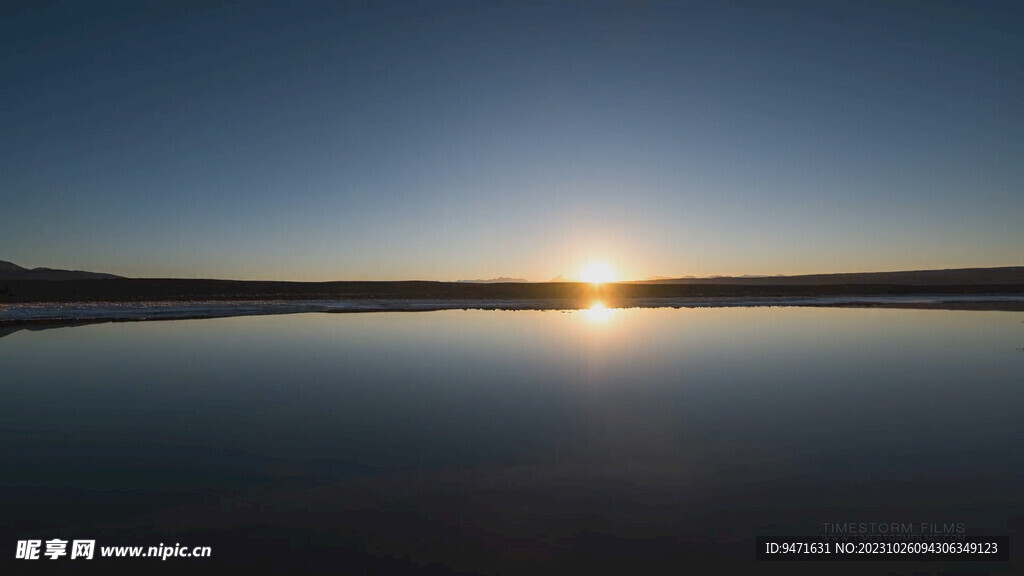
<point>453,140</point>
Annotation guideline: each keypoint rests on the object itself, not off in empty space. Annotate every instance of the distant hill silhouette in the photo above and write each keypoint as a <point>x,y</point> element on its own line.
<point>952,277</point>
<point>500,280</point>
<point>11,271</point>
<point>39,286</point>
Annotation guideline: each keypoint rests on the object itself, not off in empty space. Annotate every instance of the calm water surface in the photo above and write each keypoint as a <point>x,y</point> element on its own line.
<point>511,442</point>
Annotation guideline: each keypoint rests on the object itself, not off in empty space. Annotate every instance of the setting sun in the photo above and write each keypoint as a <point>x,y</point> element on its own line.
<point>597,273</point>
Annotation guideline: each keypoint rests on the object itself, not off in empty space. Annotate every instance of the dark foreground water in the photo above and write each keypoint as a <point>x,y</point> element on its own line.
<point>517,442</point>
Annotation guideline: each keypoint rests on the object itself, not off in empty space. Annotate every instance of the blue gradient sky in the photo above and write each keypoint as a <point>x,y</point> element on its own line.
<point>471,140</point>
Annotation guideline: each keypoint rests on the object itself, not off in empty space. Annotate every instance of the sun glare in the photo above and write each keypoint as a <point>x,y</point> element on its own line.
<point>597,273</point>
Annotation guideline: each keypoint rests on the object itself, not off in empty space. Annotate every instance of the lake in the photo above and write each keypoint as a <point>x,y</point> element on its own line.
<point>481,441</point>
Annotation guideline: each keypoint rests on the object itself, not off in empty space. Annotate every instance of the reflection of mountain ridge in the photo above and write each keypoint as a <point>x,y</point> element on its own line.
<point>47,325</point>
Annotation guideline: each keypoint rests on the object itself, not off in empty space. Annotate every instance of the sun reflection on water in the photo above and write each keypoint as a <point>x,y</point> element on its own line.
<point>598,312</point>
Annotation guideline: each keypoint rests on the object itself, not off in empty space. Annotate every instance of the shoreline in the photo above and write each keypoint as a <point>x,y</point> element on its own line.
<point>159,290</point>
<point>41,315</point>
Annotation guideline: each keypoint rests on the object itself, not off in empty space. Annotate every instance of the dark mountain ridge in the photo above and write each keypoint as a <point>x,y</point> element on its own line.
<point>948,277</point>
<point>20,285</point>
<point>11,271</point>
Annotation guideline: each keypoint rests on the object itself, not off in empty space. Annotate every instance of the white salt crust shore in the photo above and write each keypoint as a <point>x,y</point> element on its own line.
<point>48,313</point>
